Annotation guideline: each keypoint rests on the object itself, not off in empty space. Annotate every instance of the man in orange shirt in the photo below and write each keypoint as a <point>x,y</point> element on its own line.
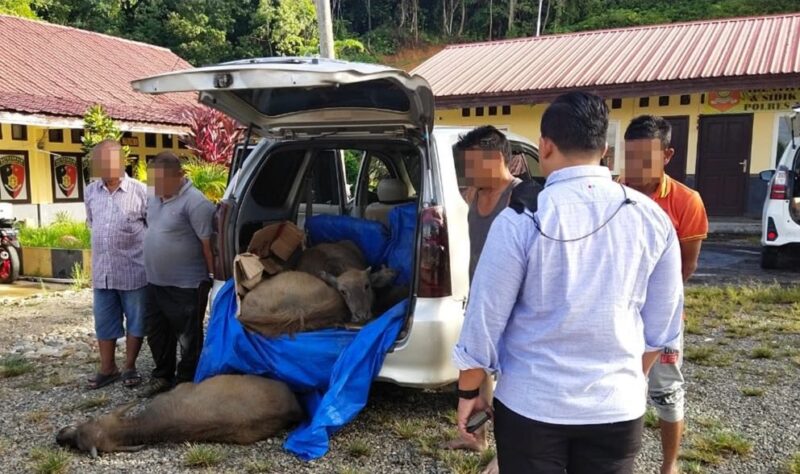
<point>647,152</point>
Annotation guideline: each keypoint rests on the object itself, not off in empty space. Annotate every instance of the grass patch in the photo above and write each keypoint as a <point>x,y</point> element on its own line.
<point>37,416</point>
<point>92,403</point>
<point>752,391</point>
<point>793,464</point>
<point>713,446</point>
<point>408,429</point>
<point>258,465</point>
<point>463,462</point>
<point>348,470</point>
<point>692,467</point>
<point>651,419</point>
<point>202,455</point>
<point>359,448</point>
<point>14,366</point>
<point>762,352</point>
<point>80,277</point>
<point>64,233</point>
<point>708,356</point>
<point>50,461</point>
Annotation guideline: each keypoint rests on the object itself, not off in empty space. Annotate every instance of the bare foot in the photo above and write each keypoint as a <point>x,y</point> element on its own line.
<point>460,443</point>
<point>492,467</point>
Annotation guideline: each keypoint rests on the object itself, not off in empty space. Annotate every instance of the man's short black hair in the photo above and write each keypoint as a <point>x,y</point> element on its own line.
<point>576,122</point>
<point>486,137</point>
<point>167,160</point>
<point>650,127</point>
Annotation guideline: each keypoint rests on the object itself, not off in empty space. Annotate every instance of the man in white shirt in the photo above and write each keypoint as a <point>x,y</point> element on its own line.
<point>572,305</point>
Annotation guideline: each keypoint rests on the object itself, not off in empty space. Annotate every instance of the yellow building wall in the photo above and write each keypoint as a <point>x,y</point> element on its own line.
<point>39,159</point>
<point>525,120</point>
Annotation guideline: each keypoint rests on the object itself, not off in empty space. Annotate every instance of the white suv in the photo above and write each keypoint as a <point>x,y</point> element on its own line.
<point>781,216</point>
<point>313,112</point>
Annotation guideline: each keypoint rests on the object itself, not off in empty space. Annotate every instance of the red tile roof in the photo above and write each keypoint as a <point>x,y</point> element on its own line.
<point>736,53</point>
<point>56,70</point>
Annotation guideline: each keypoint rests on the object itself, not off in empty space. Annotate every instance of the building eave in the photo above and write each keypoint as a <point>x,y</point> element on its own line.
<point>57,121</point>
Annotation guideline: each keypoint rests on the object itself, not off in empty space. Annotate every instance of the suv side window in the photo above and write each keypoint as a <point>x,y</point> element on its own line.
<point>327,185</point>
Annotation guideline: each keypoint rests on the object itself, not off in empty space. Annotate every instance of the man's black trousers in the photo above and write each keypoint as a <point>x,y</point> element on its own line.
<point>528,446</point>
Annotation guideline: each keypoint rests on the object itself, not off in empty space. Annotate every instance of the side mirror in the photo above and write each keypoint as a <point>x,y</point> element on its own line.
<point>766,175</point>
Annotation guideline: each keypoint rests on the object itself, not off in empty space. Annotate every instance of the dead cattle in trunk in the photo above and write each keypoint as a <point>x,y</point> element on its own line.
<point>343,267</point>
<point>239,409</point>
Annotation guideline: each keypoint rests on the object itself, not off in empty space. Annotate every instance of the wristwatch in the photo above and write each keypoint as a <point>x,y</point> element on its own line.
<point>468,394</point>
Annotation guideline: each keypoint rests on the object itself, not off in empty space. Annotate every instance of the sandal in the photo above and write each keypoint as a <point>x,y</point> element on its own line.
<point>101,380</point>
<point>131,378</point>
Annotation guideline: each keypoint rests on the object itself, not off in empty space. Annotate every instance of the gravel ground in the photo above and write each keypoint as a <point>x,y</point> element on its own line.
<point>396,433</point>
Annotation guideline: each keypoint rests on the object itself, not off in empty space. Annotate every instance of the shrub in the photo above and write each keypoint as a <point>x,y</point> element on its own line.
<point>63,233</point>
<point>210,178</point>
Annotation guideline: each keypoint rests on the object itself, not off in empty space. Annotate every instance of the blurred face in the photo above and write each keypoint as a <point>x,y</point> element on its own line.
<point>165,181</point>
<point>107,162</point>
<point>644,162</point>
<point>483,168</point>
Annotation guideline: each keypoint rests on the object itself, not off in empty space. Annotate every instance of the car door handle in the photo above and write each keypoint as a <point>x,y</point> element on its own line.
<point>744,166</point>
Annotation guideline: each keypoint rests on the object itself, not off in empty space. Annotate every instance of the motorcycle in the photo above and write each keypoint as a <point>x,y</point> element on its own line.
<point>9,246</point>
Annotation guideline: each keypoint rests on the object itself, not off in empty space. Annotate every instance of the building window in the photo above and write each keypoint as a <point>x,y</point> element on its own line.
<point>686,99</point>
<point>616,103</point>
<point>479,111</point>
<point>506,110</point>
<point>663,101</point>
<point>702,98</point>
<point>166,140</point>
<point>150,140</point>
<point>75,135</point>
<point>465,112</point>
<point>492,110</point>
<point>1,131</point>
<point>19,132</point>
<point>644,102</point>
<point>55,135</point>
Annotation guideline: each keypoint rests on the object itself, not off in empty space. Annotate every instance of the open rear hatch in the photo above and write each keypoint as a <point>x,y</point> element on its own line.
<point>306,96</point>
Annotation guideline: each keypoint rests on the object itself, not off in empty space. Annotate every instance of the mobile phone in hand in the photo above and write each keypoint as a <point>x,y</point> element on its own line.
<point>477,420</point>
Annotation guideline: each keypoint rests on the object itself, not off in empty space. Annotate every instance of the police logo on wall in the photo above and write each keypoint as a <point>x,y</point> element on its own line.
<point>65,172</point>
<point>13,177</point>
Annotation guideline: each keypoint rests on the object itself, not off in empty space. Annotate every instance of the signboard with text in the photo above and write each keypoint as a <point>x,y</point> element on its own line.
<point>751,100</point>
<point>15,186</point>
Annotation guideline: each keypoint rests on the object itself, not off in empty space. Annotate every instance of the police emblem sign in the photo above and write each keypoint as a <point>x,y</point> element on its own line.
<point>66,175</point>
<point>14,177</point>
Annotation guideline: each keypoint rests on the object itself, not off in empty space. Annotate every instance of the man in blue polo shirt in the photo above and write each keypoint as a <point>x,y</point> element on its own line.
<point>178,262</point>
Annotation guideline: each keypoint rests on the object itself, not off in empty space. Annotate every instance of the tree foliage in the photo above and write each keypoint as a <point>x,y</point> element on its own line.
<point>207,31</point>
<point>98,126</point>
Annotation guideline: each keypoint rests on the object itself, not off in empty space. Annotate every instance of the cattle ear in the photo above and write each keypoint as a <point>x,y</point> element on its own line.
<point>329,279</point>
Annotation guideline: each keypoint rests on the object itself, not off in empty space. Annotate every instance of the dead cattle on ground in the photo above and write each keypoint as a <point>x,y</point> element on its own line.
<point>239,409</point>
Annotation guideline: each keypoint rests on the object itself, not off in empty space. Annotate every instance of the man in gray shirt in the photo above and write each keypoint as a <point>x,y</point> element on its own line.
<point>178,262</point>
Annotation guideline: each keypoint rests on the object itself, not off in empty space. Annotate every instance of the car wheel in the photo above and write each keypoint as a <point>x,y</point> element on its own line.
<point>769,257</point>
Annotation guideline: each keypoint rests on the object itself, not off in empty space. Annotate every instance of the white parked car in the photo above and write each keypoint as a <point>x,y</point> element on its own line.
<point>780,229</point>
<point>313,112</point>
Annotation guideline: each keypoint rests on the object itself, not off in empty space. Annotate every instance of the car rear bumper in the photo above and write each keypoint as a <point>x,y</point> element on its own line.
<point>424,359</point>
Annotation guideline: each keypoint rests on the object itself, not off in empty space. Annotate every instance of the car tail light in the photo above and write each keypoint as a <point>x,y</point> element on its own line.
<point>778,189</point>
<point>222,271</point>
<point>434,271</point>
<point>772,231</point>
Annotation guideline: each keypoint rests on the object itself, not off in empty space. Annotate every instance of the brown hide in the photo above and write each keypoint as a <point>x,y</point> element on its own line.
<point>227,409</point>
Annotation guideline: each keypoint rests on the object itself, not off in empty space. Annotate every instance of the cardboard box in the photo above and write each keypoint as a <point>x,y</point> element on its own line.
<point>271,251</point>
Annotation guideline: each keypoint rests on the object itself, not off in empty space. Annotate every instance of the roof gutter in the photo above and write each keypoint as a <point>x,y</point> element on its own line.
<point>641,89</point>
<point>54,121</point>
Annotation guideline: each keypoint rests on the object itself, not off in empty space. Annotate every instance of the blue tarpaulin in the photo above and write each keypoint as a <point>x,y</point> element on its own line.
<point>331,370</point>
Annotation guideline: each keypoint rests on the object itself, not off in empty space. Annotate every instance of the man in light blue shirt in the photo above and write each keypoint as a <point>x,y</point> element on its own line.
<point>571,305</point>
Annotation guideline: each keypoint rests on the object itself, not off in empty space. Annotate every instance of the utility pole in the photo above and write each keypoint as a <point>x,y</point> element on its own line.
<point>325,26</point>
<point>539,19</point>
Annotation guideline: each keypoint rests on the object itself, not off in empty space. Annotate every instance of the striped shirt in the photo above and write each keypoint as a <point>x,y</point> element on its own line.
<point>566,323</point>
<point>118,224</point>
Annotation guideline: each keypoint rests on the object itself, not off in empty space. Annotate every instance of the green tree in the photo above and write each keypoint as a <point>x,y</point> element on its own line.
<point>20,8</point>
<point>98,126</point>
